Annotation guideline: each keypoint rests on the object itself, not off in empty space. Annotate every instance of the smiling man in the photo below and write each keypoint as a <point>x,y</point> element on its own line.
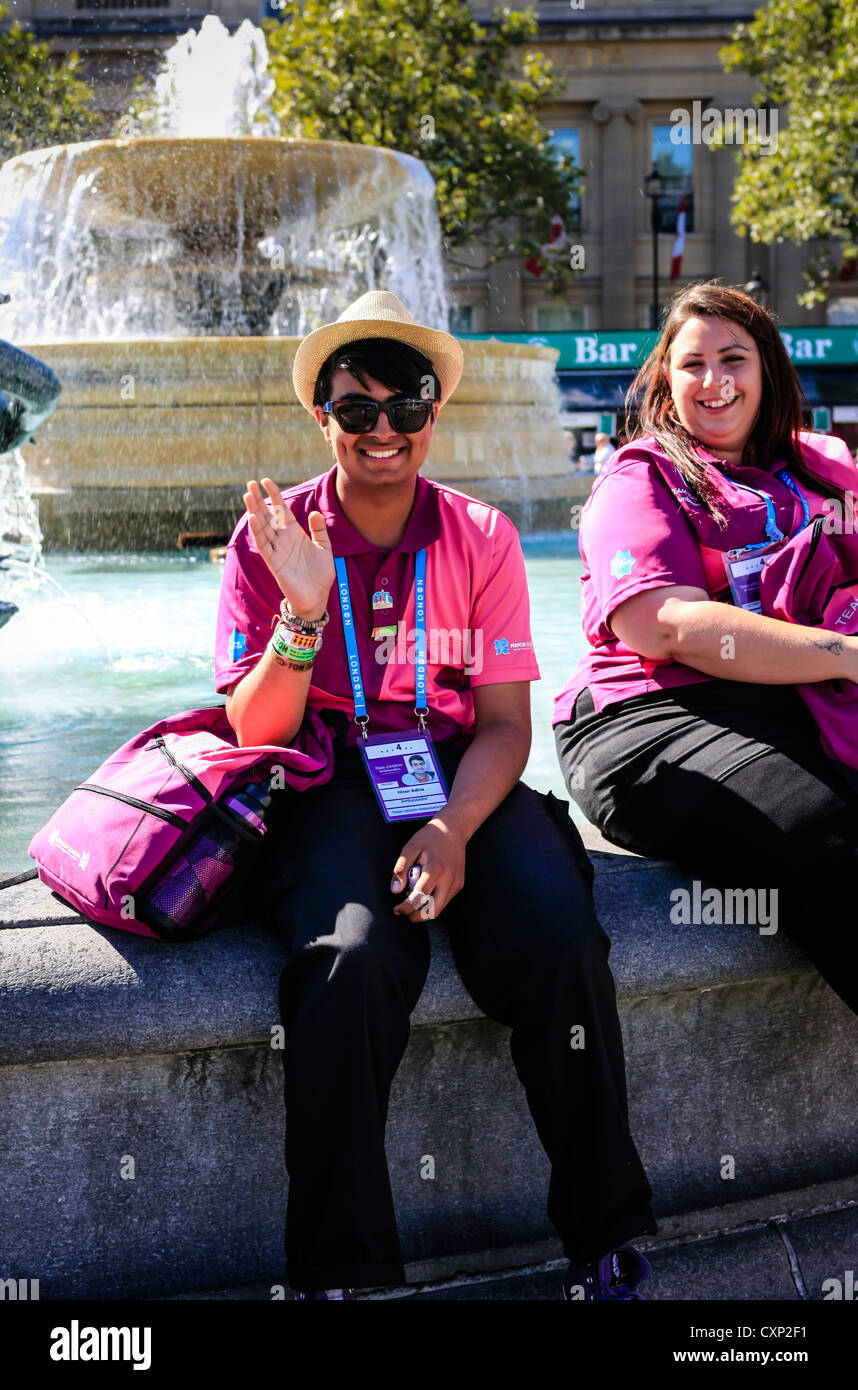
<point>356,867</point>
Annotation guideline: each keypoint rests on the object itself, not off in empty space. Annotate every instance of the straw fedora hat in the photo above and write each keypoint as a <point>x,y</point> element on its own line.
<point>377,314</point>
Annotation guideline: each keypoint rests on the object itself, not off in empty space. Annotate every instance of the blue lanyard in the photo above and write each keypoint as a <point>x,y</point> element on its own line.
<point>773,532</point>
<point>790,482</point>
<point>421,708</point>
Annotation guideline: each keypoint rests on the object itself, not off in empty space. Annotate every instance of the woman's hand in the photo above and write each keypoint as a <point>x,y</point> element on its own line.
<point>440,851</point>
<point>302,565</point>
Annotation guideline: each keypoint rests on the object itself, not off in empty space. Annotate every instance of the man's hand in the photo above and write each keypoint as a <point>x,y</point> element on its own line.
<point>440,850</point>
<point>492,764</point>
<point>302,564</point>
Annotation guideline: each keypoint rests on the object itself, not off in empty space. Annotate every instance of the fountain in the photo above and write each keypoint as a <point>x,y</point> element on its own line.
<point>167,276</point>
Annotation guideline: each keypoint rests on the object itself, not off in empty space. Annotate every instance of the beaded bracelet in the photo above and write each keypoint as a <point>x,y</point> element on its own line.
<point>292,620</point>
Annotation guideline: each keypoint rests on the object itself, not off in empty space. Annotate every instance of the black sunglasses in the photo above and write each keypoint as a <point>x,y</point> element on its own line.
<point>357,416</point>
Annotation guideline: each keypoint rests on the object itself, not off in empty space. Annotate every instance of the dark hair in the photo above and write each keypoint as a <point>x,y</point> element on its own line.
<point>416,758</point>
<point>396,365</point>
<point>775,431</point>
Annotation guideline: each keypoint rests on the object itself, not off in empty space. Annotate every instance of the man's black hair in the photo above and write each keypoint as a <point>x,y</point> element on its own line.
<point>398,366</point>
<point>417,757</point>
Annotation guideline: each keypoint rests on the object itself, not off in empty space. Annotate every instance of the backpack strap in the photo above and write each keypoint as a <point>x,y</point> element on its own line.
<point>19,878</point>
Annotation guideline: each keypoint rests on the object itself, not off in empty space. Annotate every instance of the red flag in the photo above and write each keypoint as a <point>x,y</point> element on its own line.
<point>557,237</point>
<point>679,243</point>
<point>556,241</point>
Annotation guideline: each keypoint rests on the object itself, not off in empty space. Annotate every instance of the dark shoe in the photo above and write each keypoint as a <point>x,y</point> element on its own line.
<point>616,1275</point>
<point>323,1295</point>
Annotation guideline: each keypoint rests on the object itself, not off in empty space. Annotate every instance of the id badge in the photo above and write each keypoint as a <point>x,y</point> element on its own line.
<point>744,568</point>
<point>405,775</point>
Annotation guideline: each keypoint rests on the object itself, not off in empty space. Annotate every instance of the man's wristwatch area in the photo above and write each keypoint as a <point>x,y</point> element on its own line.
<point>296,640</point>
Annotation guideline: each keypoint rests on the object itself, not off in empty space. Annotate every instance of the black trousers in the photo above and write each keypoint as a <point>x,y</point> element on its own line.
<point>729,780</point>
<point>532,955</point>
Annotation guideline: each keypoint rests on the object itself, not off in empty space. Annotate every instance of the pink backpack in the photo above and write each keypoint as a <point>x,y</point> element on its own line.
<point>813,580</point>
<point>112,839</point>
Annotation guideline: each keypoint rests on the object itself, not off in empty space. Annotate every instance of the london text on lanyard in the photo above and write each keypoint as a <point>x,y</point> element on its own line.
<point>403,768</point>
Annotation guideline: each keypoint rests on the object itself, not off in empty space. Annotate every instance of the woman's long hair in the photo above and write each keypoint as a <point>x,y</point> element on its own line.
<point>775,431</point>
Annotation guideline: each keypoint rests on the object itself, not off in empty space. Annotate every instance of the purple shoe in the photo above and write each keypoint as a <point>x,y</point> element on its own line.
<point>323,1295</point>
<point>616,1275</point>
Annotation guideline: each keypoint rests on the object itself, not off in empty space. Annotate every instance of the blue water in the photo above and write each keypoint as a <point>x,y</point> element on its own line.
<point>129,639</point>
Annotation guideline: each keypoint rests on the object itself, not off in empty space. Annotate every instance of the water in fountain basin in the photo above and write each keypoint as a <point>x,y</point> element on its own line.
<point>64,705</point>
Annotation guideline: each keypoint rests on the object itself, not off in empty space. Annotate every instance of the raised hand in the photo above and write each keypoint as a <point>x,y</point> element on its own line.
<point>302,565</point>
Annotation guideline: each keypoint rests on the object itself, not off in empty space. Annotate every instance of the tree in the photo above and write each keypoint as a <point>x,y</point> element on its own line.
<point>42,102</point>
<point>427,79</point>
<point>804,53</point>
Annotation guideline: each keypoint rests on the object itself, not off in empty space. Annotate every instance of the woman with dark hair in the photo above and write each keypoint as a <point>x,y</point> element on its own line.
<point>682,735</point>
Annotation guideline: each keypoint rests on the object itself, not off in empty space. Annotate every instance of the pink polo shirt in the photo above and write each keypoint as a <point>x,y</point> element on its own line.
<point>635,536</point>
<point>477,610</point>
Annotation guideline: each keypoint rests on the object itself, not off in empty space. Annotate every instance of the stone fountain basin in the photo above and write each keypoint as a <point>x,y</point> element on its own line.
<point>172,428</point>
<point>257,183</point>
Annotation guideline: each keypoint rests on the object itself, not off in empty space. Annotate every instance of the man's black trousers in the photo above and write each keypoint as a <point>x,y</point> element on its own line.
<point>533,956</point>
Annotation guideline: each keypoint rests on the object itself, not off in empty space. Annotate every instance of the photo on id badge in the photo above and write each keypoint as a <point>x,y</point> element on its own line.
<point>418,771</point>
<point>405,775</point>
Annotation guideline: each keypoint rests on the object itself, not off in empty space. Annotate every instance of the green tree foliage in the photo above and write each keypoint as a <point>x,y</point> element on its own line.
<point>42,102</point>
<point>428,80</point>
<point>804,55</point>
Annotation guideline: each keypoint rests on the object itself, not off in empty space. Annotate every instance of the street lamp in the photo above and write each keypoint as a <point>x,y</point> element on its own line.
<point>653,189</point>
<point>756,287</point>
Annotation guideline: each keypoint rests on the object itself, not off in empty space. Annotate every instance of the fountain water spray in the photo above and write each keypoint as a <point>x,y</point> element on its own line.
<point>211,83</point>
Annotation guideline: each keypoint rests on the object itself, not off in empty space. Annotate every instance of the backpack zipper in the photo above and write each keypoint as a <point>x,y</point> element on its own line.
<point>132,801</point>
<point>814,542</point>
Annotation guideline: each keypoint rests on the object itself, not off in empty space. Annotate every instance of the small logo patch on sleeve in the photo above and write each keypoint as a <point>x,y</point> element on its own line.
<point>622,563</point>
<point>237,644</point>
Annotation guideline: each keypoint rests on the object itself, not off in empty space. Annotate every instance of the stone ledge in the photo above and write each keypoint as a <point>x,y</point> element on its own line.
<point>750,1263</point>
<point>122,1047</point>
<point>70,989</point>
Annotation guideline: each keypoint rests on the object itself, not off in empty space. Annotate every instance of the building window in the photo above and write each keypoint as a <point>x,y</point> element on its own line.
<point>566,140</point>
<point>461,318</point>
<point>561,318</point>
<point>675,164</point>
<point>842,310</point>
